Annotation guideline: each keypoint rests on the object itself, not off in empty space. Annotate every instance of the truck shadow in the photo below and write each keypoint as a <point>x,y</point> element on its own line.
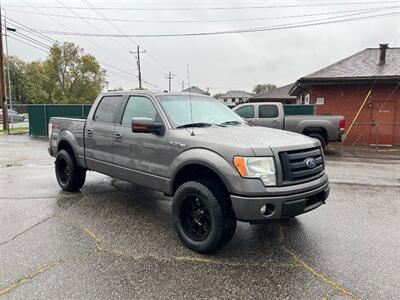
<point>138,221</point>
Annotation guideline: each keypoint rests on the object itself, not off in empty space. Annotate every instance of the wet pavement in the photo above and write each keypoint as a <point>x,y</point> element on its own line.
<point>116,240</point>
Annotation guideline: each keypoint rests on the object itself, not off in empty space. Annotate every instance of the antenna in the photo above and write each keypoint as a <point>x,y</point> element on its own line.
<point>190,100</point>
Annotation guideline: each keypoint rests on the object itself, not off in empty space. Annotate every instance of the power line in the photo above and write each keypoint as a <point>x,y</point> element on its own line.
<point>207,20</point>
<point>217,8</point>
<point>246,30</point>
<point>26,37</point>
<point>28,40</point>
<point>96,10</point>
<point>27,43</point>
<point>34,32</point>
<point>93,43</point>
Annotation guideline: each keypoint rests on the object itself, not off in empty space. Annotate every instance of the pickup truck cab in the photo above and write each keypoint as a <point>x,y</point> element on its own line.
<point>271,114</point>
<point>217,168</point>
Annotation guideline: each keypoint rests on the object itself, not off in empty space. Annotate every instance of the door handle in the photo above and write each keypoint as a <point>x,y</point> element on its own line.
<point>89,132</point>
<point>118,137</point>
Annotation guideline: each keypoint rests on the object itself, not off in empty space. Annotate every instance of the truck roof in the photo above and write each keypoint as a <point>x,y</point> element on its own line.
<point>151,93</point>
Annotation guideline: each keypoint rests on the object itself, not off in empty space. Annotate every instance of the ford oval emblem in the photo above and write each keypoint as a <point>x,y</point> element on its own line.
<point>311,162</point>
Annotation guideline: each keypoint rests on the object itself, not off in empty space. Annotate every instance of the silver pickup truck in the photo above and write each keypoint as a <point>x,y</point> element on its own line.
<point>217,168</point>
<point>271,114</point>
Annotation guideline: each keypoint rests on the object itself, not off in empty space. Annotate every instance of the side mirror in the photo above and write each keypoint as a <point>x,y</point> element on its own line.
<point>147,125</point>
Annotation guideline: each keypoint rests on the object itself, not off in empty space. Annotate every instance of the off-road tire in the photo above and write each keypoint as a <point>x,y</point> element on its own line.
<point>222,221</point>
<point>69,175</point>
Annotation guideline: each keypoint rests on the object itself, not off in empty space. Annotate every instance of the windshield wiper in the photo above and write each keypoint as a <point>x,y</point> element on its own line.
<point>200,124</point>
<point>231,123</point>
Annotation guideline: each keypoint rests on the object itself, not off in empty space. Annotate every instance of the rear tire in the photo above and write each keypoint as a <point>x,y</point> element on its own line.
<point>318,137</point>
<point>69,175</point>
<point>203,216</point>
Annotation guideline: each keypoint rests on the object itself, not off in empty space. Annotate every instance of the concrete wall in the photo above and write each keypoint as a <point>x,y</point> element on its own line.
<point>347,99</point>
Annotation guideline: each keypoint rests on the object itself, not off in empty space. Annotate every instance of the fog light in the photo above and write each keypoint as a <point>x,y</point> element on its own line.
<point>267,209</point>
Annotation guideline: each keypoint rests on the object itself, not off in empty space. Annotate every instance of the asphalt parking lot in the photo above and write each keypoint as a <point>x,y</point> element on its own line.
<point>116,240</point>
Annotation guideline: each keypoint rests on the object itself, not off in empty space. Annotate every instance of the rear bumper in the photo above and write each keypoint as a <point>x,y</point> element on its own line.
<point>342,137</point>
<point>249,209</point>
<point>51,151</point>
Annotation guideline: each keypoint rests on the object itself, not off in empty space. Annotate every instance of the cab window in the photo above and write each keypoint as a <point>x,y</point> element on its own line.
<point>138,107</point>
<point>108,108</point>
<point>246,112</point>
<point>268,111</point>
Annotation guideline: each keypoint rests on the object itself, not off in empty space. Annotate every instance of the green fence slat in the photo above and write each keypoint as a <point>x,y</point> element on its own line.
<point>40,114</point>
<point>298,109</point>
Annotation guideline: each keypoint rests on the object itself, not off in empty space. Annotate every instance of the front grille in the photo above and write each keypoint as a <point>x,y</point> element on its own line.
<point>294,166</point>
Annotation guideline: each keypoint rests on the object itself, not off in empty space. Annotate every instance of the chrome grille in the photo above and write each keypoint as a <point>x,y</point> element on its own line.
<point>295,169</point>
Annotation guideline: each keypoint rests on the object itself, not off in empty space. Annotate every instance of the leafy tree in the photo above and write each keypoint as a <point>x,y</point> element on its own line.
<point>66,76</point>
<point>35,83</point>
<point>76,77</point>
<point>17,77</point>
<point>217,95</point>
<point>262,88</point>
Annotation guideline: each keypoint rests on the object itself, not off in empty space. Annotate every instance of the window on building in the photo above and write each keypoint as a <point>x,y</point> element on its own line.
<point>307,99</point>
<point>107,110</point>
<point>246,112</point>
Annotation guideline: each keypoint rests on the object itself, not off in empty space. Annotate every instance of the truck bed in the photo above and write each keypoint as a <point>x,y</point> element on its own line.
<point>330,123</point>
<point>71,129</point>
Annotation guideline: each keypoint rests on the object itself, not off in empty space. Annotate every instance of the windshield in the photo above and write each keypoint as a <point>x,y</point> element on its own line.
<point>205,110</point>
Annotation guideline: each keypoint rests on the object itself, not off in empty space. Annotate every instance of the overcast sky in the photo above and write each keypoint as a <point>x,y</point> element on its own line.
<point>217,62</point>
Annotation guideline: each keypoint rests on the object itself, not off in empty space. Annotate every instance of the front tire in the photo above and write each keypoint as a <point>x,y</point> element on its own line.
<point>69,175</point>
<point>203,216</point>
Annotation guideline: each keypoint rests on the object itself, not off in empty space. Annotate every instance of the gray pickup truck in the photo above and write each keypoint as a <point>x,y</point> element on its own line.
<point>217,168</point>
<point>271,114</point>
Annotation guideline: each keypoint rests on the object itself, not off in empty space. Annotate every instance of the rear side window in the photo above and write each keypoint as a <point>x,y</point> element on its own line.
<point>268,111</point>
<point>108,108</point>
<point>138,107</point>
<point>246,112</point>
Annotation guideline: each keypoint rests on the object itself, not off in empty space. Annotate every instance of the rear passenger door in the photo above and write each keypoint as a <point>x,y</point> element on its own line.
<point>99,134</point>
<point>268,116</point>
<point>247,112</point>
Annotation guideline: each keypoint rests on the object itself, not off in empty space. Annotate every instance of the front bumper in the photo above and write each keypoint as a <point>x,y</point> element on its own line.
<point>278,207</point>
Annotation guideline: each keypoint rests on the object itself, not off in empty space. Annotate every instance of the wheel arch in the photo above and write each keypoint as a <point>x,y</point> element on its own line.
<point>65,144</point>
<point>198,162</point>
<point>195,171</point>
<point>320,130</point>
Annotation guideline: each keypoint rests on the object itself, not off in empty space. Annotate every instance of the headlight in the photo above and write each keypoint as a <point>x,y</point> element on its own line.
<point>257,167</point>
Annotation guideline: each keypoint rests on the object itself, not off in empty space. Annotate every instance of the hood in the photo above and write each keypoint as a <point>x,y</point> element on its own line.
<point>253,137</point>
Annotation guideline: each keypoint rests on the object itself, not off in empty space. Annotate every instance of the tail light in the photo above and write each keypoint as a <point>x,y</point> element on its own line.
<point>342,124</point>
<point>51,128</point>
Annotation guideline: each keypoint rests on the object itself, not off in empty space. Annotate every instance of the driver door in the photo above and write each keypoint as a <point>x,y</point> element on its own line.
<point>142,158</point>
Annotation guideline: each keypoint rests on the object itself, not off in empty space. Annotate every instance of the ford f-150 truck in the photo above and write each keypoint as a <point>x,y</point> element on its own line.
<point>217,168</point>
<point>271,114</point>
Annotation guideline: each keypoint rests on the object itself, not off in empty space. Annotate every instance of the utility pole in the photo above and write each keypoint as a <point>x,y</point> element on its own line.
<point>183,85</point>
<point>8,29</point>
<point>3,94</point>
<point>170,76</point>
<point>137,53</point>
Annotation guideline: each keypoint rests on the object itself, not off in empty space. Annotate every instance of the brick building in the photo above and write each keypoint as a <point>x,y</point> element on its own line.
<point>340,89</point>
